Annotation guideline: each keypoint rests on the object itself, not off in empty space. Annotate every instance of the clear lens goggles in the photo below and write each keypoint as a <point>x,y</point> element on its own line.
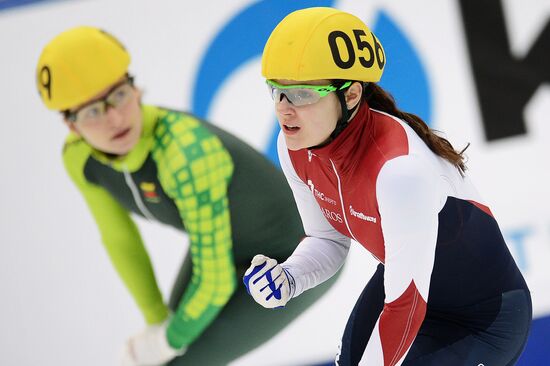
<point>93,112</point>
<point>300,95</point>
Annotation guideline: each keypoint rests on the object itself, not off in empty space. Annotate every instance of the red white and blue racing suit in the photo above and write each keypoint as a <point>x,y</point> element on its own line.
<point>445,272</point>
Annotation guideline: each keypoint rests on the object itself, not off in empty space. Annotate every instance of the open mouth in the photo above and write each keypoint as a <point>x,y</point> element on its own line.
<point>121,134</point>
<point>291,128</point>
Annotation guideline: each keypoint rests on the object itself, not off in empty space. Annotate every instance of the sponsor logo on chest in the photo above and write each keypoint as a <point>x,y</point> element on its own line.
<point>331,215</point>
<point>320,195</point>
<point>361,215</point>
<point>327,212</point>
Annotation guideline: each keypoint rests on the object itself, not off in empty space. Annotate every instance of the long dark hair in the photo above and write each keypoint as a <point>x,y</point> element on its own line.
<point>378,98</point>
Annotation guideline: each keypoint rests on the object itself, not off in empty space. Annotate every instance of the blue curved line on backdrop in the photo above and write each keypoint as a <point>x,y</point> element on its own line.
<point>239,41</point>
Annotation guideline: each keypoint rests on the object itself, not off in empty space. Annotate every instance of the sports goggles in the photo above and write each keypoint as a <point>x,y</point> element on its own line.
<point>95,111</point>
<point>300,95</point>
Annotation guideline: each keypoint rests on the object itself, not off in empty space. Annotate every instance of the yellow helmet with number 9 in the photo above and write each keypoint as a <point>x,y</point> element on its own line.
<point>323,43</point>
<point>77,64</point>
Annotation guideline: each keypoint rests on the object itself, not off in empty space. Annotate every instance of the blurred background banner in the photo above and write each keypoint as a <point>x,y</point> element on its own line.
<point>478,71</point>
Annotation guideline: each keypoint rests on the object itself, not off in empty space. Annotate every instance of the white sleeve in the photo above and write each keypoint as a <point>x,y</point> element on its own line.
<point>408,198</point>
<point>319,256</point>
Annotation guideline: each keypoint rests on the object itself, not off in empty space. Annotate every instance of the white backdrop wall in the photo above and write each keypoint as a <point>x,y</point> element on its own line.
<point>62,303</point>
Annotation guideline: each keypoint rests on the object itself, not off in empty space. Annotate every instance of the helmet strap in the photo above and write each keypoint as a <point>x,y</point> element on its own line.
<point>343,122</point>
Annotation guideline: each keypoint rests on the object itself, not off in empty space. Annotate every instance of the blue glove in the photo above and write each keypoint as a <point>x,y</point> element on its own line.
<point>268,282</point>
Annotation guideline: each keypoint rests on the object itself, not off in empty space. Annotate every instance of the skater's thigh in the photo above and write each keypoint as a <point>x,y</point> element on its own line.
<point>457,343</point>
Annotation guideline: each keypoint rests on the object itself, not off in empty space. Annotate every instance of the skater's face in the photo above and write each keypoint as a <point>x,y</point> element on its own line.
<point>111,121</point>
<point>308,111</point>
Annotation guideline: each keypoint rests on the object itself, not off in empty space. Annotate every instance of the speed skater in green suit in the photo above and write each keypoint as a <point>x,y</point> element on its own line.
<point>171,167</point>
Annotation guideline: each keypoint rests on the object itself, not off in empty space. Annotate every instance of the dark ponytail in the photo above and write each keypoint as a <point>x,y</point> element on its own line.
<point>378,98</point>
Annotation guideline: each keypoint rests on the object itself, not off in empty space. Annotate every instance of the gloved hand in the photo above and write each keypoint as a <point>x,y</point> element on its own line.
<point>268,282</point>
<point>149,347</point>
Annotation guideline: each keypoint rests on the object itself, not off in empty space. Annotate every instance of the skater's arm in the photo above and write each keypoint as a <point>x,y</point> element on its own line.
<point>119,235</point>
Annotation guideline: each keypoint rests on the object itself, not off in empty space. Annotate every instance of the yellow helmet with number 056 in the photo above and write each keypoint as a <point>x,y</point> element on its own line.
<point>78,64</point>
<point>323,43</point>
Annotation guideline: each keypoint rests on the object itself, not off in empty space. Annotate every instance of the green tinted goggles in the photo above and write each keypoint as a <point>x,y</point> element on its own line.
<point>300,95</point>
